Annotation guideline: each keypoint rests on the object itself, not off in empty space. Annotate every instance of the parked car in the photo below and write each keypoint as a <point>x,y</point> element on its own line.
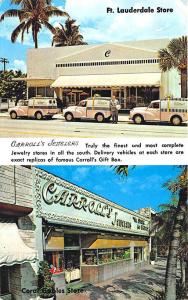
<point>97,108</point>
<point>36,107</point>
<point>166,110</point>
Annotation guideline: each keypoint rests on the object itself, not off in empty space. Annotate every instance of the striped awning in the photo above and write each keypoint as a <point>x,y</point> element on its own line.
<point>13,250</point>
<point>108,80</point>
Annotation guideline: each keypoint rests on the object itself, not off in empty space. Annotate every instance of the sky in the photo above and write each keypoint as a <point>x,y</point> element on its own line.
<point>143,187</point>
<point>97,26</point>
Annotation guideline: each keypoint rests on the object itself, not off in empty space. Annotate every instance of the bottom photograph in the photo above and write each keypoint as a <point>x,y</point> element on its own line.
<point>93,232</point>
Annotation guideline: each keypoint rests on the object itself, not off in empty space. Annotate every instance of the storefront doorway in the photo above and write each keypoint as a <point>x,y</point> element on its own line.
<point>72,257</point>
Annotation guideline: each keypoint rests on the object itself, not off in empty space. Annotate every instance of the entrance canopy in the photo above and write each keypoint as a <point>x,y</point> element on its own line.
<point>12,248</point>
<point>108,80</point>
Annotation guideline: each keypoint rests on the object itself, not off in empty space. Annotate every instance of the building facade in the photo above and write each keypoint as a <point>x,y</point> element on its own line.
<point>86,237</point>
<point>128,70</point>
<point>18,253</point>
<point>81,235</point>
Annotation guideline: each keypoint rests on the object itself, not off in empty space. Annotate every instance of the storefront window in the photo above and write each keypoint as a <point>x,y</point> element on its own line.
<point>41,91</point>
<point>121,253</point>
<point>49,92</point>
<point>104,256</point>
<point>55,260</point>
<point>140,96</point>
<point>138,254</point>
<point>71,240</point>
<point>89,257</point>
<point>4,280</point>
<point>31,92</point>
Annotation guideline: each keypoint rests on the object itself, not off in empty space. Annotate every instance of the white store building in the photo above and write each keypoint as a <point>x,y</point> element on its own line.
<point>129,70</point>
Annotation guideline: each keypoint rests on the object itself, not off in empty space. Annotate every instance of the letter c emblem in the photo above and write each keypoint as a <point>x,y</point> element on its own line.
<point>107,53</point>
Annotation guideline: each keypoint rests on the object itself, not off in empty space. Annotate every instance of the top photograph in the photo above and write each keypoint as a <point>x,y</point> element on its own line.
<point>100,69</point>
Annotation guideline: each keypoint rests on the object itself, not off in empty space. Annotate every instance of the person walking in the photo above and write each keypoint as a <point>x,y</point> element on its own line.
<point>114,106</point>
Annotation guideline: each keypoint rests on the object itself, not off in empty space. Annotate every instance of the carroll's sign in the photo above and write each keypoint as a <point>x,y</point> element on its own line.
<point>51,194</point>
<point>60,200</point>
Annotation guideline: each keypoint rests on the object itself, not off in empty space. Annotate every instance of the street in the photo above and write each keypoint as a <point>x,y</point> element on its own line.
<point>86,129</point>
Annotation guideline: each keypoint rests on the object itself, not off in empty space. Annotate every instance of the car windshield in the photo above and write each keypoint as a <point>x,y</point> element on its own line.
<point>82,103</point>
<point>154,105</point>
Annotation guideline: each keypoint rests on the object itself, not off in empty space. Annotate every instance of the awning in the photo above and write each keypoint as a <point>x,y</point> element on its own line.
<point>108,80</point>
<point>12,248</point>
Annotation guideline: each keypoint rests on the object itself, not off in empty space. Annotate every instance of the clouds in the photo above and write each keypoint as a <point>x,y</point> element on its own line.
<point>19,65</point>
<point>98,26</point>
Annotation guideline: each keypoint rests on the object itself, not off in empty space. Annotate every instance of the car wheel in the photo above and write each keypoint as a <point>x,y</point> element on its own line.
<point>69,117</point>
<point>176,120</point>
<point>138,119</point>
<point>13,115</point>
<point>38,115</point>
<point>99,118</point>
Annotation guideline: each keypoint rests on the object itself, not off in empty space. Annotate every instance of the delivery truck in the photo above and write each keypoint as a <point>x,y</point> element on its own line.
<point>97,108</point>
<point>165,110</point>
<point>36,107</point>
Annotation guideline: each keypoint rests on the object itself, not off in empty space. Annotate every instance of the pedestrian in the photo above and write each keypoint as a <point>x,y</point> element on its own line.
<point>114,107</point>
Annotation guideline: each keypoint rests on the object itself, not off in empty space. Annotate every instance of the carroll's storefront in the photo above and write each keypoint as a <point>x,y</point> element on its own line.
<point>86,236</point>
<point>128,70</point>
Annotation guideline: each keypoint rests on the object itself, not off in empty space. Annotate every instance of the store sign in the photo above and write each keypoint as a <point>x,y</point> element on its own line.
<point>61,201</point>
<point>51,194</point>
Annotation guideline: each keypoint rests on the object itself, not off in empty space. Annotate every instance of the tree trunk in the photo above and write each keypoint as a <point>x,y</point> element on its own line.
<point>182,266</point>
<point>184,83</point>
<point>36,39</point>
<point>170,280</point>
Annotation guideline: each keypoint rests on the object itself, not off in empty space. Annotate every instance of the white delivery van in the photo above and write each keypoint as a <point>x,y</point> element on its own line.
<point>167,110</point>
<point>97,108</point>
<point>36,107</point>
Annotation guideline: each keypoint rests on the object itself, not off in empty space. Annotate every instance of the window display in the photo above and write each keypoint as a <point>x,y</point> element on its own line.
<point>100,256</point>
<point>121,253</point>
<point>55,260</point>
<point>104,256</point>
<point>89,257</point>
<point>138,254</point>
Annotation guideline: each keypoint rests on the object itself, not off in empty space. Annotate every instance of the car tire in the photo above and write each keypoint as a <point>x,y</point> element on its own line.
<point>69,117</point>
<point>138,119</point>
<point>176,120</point>
<point>38,115</point>
<point>99,118</point>
<point>13,115</point>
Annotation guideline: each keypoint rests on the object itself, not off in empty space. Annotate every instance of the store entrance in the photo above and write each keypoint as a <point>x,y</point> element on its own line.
<point>72,257</point>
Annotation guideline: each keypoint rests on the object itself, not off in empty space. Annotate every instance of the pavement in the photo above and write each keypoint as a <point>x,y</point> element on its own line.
<point>142,285</point>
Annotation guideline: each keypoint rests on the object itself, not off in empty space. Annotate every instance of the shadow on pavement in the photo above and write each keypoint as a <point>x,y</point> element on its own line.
<point>141,286</point>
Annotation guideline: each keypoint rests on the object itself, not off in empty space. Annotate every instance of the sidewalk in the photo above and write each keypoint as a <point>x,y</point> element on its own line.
<point>138,286</point>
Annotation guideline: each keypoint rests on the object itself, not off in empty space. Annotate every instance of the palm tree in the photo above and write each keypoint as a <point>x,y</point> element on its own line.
<point>121,170</point>
<point>175,56</point>
<point>67,35</point>
<point>178,187</point>
<point>33,14</point>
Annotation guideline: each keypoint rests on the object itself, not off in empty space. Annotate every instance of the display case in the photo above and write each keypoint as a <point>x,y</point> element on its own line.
<point>89,257</point>
<point>55,261</point>
<point>121,253</point>
<point>104,256</point>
